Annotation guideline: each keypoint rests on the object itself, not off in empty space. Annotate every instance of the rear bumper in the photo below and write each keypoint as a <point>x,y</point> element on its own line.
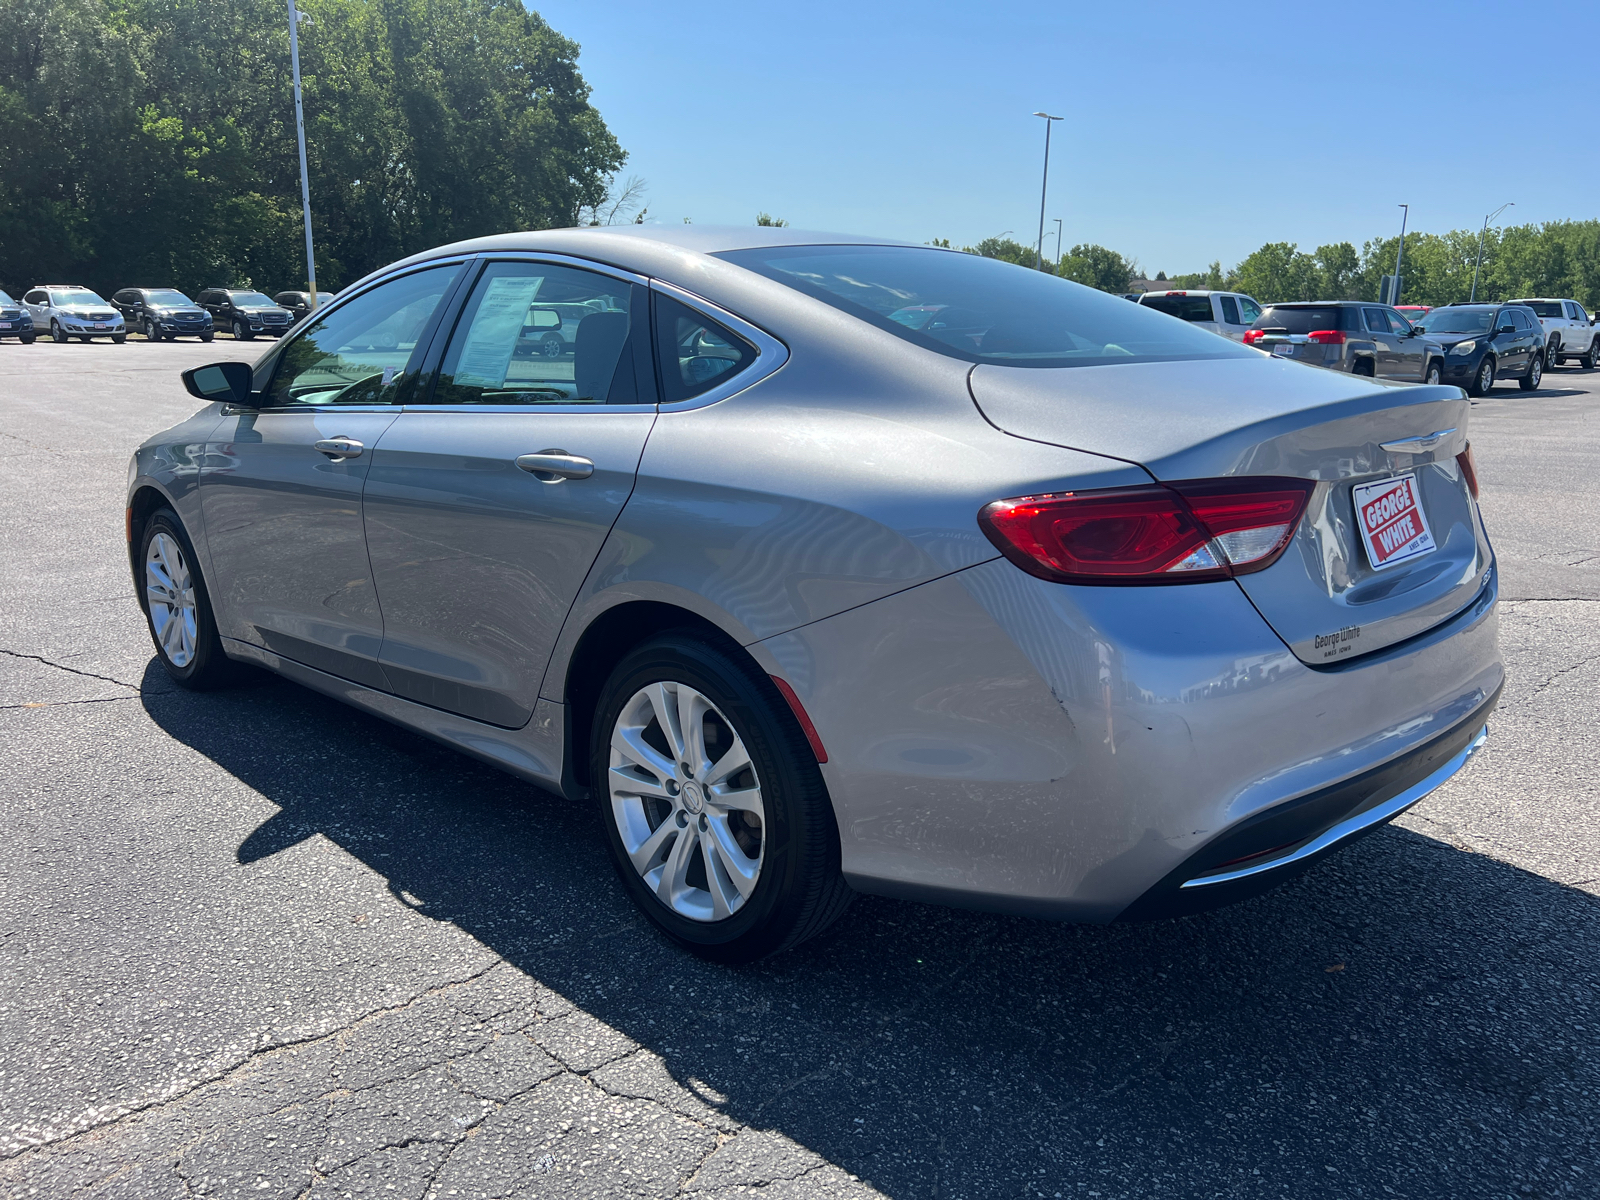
<point>1274,846</point>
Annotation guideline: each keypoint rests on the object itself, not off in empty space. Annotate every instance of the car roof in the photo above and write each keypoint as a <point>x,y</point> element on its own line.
<point>1192,292</point>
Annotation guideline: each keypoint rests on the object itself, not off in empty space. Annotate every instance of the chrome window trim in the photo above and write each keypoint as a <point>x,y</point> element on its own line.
<point>770,352</point>
<point>525,409</point>
<point>232,410</point>
<point>563,260</point>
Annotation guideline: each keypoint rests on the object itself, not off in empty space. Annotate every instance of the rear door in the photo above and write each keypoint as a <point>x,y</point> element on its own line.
<point>487,504</point>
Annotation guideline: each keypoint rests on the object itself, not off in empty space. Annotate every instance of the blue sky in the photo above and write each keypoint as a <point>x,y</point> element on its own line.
<point>1193,131</point>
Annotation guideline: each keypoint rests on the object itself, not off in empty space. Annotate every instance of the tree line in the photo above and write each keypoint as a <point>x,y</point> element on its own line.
<point>1559,258</point>
<point>152,142</point>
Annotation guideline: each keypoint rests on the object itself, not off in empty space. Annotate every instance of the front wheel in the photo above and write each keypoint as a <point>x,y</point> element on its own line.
<point>57,334</point>
<point>177,607</point>
<point>1530,381</point>
<point>27,339</point>
<point>1483,379</point>
<point>240,333</point>
<point>152,331</point>
<point>119,338</point>
<point>552,345</point>
<point>714,808</point>
<point>207,336</point>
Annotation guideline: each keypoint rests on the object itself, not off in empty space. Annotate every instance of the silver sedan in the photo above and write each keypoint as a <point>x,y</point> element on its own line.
<point>826,565</point>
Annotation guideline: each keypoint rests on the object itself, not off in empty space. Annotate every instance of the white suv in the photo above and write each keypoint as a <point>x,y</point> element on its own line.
<point>65,310</point>
<point>1567,332</point>
<point>1226,313</point>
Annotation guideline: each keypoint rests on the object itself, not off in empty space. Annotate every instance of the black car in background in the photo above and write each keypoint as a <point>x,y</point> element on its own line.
<point>1486,342</point>
<point>16,321</point>
<point>245,313</point>
<point>299,303</point>
<point>162,314</point>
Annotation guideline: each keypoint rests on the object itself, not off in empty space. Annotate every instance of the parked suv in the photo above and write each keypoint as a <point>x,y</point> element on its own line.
<point>299,303</point>
<point>1349,335</point>
<point>1227,313</point>
<point>70,311</point>
<point>162,313</point>
<point>244,313</point>
<point>1567,332</point>
<point>1485,342</point>
<point>15,321</point>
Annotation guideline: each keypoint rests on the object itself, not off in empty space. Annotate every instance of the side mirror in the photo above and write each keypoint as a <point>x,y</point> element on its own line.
<point>1506,329</point>
<point>228,382</point>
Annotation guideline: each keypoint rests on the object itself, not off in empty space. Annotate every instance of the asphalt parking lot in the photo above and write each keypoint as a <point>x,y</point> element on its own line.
<point>259,943</point>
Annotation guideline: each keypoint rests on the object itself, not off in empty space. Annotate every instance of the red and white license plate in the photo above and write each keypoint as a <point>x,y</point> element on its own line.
<point>5,324</point>
<point>1393,525</point>
<point>101,325</point>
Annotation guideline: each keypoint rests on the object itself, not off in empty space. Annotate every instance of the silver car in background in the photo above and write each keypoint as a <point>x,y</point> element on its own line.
<point>827,565</point>
<point>1349,335</point>
<point>1229,314</point>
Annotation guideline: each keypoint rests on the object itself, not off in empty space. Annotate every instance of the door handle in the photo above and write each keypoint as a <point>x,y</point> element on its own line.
<point>552,466</point>
<point>340,447</point>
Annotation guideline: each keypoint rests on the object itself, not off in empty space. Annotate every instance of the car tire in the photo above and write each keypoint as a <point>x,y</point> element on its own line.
<point>206,337</point>
<point>57,334</point>
<point>85,339</point>
<point>1534,376</point>
<point>1552,354</point>
<point>731,882</point>
<point>152,331</point>
<point>28,339</point>
<point>1590,360</point>
<point>1435,372</point>
<point>177,607</point>
<point>1363,367</point>
<point>240,333</point>
<point>1482,378</point>
<point>552,346</point>
<point>119,338</point>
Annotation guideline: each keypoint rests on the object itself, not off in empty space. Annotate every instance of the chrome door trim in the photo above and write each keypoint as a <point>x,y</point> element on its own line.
<point>234,410</point>
<point>770,352</point>
<point>1362,821</point>
<point>502,409</point>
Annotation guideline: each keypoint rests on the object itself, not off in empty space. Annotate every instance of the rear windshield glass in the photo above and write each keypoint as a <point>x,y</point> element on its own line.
<point>1186,308</point>
<point>982,310</point>
<point>1298,320</point>
<point>1544,308</point>
<point>1457,320</point>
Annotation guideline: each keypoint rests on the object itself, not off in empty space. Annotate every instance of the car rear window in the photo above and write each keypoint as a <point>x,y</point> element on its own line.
<point>981,310</point>
<point>1544,308</point>
<point>1299,319</point>
<point>1185,308</point>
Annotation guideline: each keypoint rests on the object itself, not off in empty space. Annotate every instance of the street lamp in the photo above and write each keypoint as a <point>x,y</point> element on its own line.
<point>1481,232</point>
<point>1058,239</point>
<point>1399,254</point>
<point>300,131</point>
<point>1038,253</point>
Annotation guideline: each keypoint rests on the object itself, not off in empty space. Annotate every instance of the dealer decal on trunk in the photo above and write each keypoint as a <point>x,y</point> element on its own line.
<point>1393,525</point>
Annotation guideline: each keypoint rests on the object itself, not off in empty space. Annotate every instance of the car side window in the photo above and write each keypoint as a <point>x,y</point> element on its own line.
<point>540,333</point>
<point>1230,310</point>
<point>1397,321</point>
<point>1250,310</point>
<point>34,298</point>
<point>1520,319</point>
<point>1572,310</point>
<point>1377,320</point>
<point>362,352</point>
<point>693,352</point>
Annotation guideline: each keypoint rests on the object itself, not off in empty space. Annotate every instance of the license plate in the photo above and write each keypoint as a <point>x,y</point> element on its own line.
<point>101,325</point>
<point>1284,349</point>
<point>5,324</point>
<point>1393,525</point>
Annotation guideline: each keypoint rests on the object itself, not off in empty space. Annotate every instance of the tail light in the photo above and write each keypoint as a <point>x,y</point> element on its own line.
<point>1469,470</point>
<point>1326,337</point>
<point>1185,532</point>
<point>1252,336</point>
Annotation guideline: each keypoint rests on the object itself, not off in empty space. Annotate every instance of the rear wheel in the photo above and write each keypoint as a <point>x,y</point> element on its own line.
<point>713,805</point>
<point>1552,354</point>
<point>178,608</point>
<point>1592,358</point>
<point>1483,379</point>
<point>1435,372</point>
<point>1530,381</point>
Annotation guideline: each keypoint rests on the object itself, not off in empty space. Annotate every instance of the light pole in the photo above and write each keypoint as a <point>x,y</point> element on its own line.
<point>300,132</point>
<point>1038,253</point>
<point>1481,233</point>
<point>1058,239</point>
<point>1399,254</point>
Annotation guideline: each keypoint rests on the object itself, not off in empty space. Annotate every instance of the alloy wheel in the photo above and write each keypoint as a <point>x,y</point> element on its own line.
<point>169,592</point>
<point>1486,375</point>
<point>1535,372</point>
<point>687,801</point>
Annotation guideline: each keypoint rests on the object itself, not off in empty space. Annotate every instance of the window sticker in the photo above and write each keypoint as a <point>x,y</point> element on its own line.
<point>496,326</point>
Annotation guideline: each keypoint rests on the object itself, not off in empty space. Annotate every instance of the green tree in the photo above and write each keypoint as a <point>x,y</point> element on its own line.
<point>1097,267</point>
<point>775,222</point>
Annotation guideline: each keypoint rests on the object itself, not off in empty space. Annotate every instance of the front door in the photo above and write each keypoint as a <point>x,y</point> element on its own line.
<point>1412,350</point>
<point>486,507</point>
<point>281,489</point>
<point>1386,345</point>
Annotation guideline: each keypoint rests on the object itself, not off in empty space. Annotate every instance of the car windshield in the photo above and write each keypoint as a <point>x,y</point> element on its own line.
<point>1293,319</point>
<point>981,310</point>
<point>5,299</point>
<point>1185,308</point>
<point>166,296</point>
<point>1543,308</point>
<point>252,298</point>
<point>72,297</point>
<point>324,297</point>
<point>1457,320</point>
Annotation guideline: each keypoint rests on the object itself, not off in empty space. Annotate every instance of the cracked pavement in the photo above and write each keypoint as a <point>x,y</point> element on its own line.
<point>258,943</point>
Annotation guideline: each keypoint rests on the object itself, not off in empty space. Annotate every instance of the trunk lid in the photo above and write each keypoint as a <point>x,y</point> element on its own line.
<point>1326,597</point>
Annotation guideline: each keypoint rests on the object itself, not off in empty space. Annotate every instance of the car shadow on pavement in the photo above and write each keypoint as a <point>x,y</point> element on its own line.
<point>1407,1019</point>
